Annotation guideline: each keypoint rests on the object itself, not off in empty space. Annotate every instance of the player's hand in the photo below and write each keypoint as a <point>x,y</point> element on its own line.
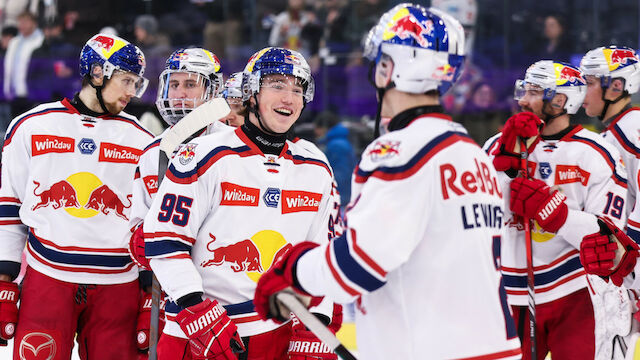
<point>609,253</point>
<point>280,276</point>
<point>212,335</point>
<point>136,249</point>
<point>532,198</point>
<point>304,345</point>
<point>9,295</point>
<point>524,125</point>
<point>144,321</point>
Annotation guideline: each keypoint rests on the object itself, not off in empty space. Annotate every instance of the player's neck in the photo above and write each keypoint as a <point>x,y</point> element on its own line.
<point>88,97</point>
<point>396,102</point>
<point>556,125</point>
<point>616,108</point>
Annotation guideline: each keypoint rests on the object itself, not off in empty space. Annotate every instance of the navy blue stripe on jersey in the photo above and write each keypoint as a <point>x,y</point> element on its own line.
<point>624,141</point>
<point>416,162</point>
<point>605,154</point>
<point>298,159</point>
<point>130,121</point>
<point>23,119</point>
<point>351,268</point>
<point>233,309</point>
<point>165,247</point>
<point>9,211</point>
<point>546,277</point>
<point>205,163</point>
<point>153,144</point>
<point>114,261</point>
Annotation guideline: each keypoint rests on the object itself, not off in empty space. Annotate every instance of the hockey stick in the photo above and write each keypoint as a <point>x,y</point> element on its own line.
<point>291,302</point>
<point>524,154</point>
<point>201,117</point>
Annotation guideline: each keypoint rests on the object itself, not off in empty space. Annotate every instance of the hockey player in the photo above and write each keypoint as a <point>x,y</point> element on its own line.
<point>591,182</point>
<point>66,182</point>
<point>191,77</point>
<point>278,191</point>
<point>613,74</point>
<point>421,218</point>
<point>233,94</point>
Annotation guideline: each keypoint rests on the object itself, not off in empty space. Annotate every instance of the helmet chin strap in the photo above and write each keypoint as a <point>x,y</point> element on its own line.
<point>381,92</point>
<point>609,102</point>
<point>99,93</point>
<point>548,118</point>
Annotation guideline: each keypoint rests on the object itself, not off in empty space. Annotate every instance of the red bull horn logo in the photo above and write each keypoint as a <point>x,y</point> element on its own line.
<point>186,153</point>
<point>408,26</point>
<point>623,56</point>
<point>104,42</point>
<point>81,195</point>
<point>252,256</point>
<point>571,74</point>
<point>384,149</point>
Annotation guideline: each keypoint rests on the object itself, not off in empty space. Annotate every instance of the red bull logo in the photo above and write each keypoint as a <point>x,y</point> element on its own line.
<point>445,73</point>
<point>384,149</point>
<point>104,42</point>
<point>250,256</point>
<point>623,56</point>
<point>60,194</point>
<point>409,27</point>
<point>186,153</point>
<point>81,195</point>
<point>570,74</point>
<point>103,199</point>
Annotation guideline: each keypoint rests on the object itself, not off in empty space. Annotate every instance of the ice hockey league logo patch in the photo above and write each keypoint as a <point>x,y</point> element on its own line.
<point>384,149</point>
<point>186,153</point>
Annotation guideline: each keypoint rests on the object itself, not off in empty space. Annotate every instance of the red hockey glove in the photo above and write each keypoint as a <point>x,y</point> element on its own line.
<point>304,345</point>
<point>522,125</point>
<point>9,295</point>
<point>279,277</point>
<point>136,249</point>
<point>533,199</point>
<point>144,321</point>
<point>212,335</point>
<point>609,253</point>
<point>336,318</point>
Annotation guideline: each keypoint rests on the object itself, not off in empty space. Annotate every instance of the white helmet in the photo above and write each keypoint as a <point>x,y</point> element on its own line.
<point>555,78</point>
<point>203,67</point>
<point>426,46</point>
<point>233,86</point>
<point>613,62</point>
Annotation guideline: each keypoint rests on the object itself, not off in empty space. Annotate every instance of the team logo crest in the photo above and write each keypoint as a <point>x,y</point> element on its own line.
<point>545,170</point>
<point>186,153</point>
<point>87,146</point>
<point>384,149</point>
<point>271,197</point>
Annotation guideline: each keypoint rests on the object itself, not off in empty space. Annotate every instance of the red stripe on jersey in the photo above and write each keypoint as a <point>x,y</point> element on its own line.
<point>10,199</point>
<point>369,261</point>
<point>181,256</point>
<point>336,275</point>
<point>418,165</point>
<point>540,290</point>
<point>241,320</point>
<point>77,269</point>
<point>633,223</point>
<point>615,121</point>
<point>496,355</point>
<point>169,234</point>
<point>542,267</point>
<point>433,115</point>
<point>10,222</point>
<point>78,248</point>
<point>13,130</point>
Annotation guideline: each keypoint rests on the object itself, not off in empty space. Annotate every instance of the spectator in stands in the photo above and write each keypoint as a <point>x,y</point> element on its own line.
<point>148,39</point>
<point>16,62</point>
<point>555,43</point>
<point>8,33</point>
<point>288,27</point>
<point>334,138</point>
<point>482,115</point>
<point>223,32</point>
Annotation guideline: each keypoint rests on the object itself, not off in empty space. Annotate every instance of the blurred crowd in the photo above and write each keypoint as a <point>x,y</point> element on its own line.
<point>41,40</point>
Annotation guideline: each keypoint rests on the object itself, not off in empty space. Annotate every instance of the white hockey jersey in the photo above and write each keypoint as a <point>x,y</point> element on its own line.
<point>623,133</point>
<point>421,249</point>
<point>65,188</point>
<point>589,172</point>
<point>224,212</point>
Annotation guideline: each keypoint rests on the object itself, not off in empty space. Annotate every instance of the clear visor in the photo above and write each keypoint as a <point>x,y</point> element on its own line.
<point>131,82</point>
<point>523,88</point>
<point>179,92</point>
<point>283,84</point>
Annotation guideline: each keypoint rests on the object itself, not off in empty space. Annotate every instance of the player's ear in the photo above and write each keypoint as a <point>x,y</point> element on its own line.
<point>384,69</point>
<point>617,86</point>
<point>97,75</point>
<point>558,101</point>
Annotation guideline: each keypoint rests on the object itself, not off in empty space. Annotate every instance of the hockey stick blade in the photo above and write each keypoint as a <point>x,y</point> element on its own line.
<point>197,119</point>
<point>291,302</point>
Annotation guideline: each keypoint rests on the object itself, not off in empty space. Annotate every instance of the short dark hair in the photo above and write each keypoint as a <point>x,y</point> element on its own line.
<point>10,30</point>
